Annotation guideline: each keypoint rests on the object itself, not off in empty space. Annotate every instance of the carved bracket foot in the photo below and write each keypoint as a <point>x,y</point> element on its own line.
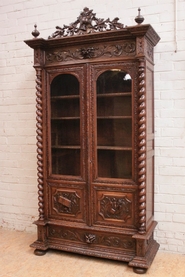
<point>39,252</point>
<point>139,270</point>
<point>141,264</point>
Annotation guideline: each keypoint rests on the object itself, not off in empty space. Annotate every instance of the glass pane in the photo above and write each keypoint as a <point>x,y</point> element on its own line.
<point>65,125</point>
<point>114,124</point>
<point>66,161</point>
<point>117,106</point>
<point>65,132</point>
<point>65,107</point>
<point>65,84</point>
<point>115,164</point>
<point>114,81</point>
<point>114,132</point>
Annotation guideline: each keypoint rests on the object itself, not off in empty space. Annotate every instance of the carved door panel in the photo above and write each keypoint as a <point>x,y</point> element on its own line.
<point>112,185</point>
<point>67,121</point>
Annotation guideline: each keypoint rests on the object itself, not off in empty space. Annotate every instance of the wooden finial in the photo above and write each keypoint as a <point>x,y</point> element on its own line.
<point>35,32</point>
<point>139,18</point>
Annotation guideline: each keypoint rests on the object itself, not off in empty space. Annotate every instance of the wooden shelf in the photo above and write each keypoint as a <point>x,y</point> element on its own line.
<point>115,117</point>
<point>65,118</point>
<point>65,147</point>
<point>65,97</point>
<point>117,94</point>
<point>116,148</point>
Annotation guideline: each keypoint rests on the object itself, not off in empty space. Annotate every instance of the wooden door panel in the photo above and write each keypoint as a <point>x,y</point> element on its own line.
<point>67,203</point>
<point>114,207</point>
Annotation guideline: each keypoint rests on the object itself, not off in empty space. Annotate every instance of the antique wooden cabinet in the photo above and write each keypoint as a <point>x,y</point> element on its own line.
<point>95,139</point>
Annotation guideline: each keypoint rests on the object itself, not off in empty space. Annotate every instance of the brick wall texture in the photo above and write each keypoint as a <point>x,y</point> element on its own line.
<point>18,175</point>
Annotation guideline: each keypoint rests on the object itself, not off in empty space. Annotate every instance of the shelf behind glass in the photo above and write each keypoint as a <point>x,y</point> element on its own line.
<point>114,164</point>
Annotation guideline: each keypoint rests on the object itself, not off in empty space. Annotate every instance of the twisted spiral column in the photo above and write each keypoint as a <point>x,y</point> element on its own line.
<point>142,148</point>
<point>39,132</point>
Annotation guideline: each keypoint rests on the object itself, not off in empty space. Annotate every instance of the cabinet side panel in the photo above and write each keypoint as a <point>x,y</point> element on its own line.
<point>149,144</point>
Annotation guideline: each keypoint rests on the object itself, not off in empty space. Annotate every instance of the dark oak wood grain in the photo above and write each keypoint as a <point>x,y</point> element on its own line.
<point>95,140</point>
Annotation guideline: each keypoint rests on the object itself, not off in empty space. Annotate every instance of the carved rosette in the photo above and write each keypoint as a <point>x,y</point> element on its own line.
<point>39,132</point>
<point>142,149</point>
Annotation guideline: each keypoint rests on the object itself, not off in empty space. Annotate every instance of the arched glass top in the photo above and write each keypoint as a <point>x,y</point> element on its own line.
<point>114,81</point>
<point>64,84</point>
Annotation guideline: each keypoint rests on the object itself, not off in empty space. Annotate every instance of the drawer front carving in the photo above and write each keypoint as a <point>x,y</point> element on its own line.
<point>94,238</point>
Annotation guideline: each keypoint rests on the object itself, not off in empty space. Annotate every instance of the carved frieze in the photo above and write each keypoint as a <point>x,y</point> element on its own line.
<point>115,50</point>
<point>95,238</point>
<point>66,202</point>
<point>117,242</point>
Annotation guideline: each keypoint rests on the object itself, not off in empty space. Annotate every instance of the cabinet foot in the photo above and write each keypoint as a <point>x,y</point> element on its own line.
<point>139,270</point>
<point>39,252</point>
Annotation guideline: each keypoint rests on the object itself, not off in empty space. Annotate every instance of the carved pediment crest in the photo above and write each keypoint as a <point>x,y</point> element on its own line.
<point>86,23</point>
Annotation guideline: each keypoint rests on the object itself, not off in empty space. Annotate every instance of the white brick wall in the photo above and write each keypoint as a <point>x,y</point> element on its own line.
<point>18,184</point>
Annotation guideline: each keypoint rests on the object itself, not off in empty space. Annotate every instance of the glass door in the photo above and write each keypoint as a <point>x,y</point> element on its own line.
<point>114,124</point>
<point>65,125</point>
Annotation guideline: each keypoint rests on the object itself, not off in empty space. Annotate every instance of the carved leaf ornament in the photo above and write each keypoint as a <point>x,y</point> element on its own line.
<point>87,23</point>
<point>127,48</point>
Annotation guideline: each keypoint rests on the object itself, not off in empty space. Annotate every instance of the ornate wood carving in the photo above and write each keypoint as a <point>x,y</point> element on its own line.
<point>38,58</point>
<point>96,238</point>
<point>66,202</point>
<point>142,148</point>
<point>90,238</point>
<point>95,212</point>
<point>149,50</point>
<point>115,207</point>
<point>127,48</point>
<point>64,234</point>
<point>117,242</point>
<point>39,131</point>
<point>86,23</point>
<point>140,46</point>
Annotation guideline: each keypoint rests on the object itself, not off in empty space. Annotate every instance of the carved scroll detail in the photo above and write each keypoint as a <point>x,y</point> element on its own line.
<point>39,132</point>
<point>87,23</point>
<point>142,149</point>
<point>117,241</point>
<point>127,48</point>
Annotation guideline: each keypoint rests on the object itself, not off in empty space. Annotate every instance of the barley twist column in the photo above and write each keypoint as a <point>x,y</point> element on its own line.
<point>142,149</point>
<point>39,132</point>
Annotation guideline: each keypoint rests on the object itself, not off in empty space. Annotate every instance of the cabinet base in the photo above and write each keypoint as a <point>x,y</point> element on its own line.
<point>139,251</point>
<point>141,264</point>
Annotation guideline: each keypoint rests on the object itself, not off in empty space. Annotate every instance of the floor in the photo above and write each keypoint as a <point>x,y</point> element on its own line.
<point>17,260</point>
